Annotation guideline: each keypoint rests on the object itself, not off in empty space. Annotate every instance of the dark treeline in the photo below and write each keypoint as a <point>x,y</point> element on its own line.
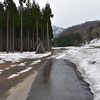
<point>68,40</point>
<point>22,28</point>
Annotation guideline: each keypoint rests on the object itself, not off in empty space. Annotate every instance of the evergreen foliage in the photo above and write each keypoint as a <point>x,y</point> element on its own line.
<point>69,40</point>
<point>22,28</point>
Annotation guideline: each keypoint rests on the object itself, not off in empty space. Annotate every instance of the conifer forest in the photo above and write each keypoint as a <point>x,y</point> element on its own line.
<point>23,27</point>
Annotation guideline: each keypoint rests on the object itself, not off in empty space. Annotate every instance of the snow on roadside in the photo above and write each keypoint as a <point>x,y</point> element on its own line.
<point>94,42</point>
<point>88,63</point>
<point>18,73</point>
<point>35,62</point>
<point>17,56</point>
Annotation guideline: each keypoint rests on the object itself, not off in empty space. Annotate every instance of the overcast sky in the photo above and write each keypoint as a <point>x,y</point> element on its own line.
<point>72,12</point>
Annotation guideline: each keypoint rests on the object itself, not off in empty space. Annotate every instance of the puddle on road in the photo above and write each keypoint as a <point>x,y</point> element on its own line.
<point>47,72</point>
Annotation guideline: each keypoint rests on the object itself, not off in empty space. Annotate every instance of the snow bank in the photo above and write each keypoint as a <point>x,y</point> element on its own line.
<point>88,63</point>
<point>18,73</point>
<point>94,42</point>
<point>17,56</point>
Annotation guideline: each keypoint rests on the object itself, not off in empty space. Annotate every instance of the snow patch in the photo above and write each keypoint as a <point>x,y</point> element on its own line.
<point>35,62</point>
<point>26,70</point>
<point>22,64</point>
<point>7,68</point>
<point>12,76</point>
<point>1,70</point>
<point>13,65</point>
<point>17,56</point>
<point>18,73</point>
<point>2,61</point>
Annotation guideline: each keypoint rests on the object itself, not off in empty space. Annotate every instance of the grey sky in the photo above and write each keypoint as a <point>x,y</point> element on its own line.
<point>72,12</point>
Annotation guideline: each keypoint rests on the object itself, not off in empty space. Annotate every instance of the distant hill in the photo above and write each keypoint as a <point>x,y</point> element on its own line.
<point>57,30</point>
<point>81,28</point>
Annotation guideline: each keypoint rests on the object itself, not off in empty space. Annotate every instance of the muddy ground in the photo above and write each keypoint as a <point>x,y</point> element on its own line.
<point>6,84</point>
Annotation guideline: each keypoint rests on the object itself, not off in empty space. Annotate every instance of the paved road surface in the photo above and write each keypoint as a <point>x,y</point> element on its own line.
<point>57,80</point>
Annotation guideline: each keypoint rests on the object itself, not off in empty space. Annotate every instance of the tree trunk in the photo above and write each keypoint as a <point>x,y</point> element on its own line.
<point>13,34</point>
<point>17,43</point>
<point>1,35</point>
<point>48,43</point>
<point>10,37</point>
<point>26,43</point>
<point>21,46</point>
<point>33,41</point>
<point>43,33</point>
<point>37,33</point>
<point>28,40</point>
<point>7,29</point>
<point>41,37</point>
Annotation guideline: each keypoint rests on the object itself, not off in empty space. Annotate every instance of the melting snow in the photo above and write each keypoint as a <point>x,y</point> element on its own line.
<point>18,73</point>
<point>1,61</point>
<point>13,65</point>
<point>6,68</point>
<point>1,70</point>
<point>35,62</point>
<point>17,56</point>
<point>22,64</point>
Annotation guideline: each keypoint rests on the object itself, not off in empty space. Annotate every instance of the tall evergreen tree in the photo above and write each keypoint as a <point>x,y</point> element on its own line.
<point>48,15</point>
<point>28,20</point>
<point>1,22</point>
<point>13,13</point>
<point>21,5</point>
<point>33,23</point>
<point>37,16</point>
<point>6,3</point>
<point>37,25</point>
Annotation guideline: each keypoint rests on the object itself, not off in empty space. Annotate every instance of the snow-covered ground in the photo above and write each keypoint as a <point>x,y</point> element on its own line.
<point>17,56</point>
<point>87,60</point>
<point>22,71</point>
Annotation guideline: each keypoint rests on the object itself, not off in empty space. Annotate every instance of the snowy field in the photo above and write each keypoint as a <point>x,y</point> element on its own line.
<point>17,56</point>
<point>87,60</point>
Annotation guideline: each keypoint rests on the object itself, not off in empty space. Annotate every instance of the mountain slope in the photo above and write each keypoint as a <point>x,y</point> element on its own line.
<point>57,30</point>
<point>81,28</point>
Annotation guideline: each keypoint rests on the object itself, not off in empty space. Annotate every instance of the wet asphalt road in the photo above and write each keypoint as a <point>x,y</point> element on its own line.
<point>58,80</point>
